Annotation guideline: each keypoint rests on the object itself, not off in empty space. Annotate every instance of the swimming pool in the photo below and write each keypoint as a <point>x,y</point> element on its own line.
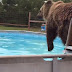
<point>27,43</point>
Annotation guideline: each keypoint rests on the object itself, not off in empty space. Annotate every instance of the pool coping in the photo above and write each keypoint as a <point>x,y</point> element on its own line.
<point>29,58</point>
<point>22,31</point>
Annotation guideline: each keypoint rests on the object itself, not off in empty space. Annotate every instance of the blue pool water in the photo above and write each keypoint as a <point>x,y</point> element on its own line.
<point>17,43</point>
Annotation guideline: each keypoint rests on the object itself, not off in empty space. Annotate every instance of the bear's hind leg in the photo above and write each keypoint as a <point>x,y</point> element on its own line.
<point>63,31</point>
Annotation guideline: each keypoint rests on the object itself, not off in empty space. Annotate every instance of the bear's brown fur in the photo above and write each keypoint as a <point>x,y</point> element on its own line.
<point>58,15</point>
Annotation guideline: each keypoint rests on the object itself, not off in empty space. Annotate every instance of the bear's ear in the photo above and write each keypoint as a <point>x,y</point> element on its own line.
<point>48,2</point>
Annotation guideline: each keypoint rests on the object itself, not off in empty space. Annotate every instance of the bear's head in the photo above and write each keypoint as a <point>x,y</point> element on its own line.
<point>43,13</point>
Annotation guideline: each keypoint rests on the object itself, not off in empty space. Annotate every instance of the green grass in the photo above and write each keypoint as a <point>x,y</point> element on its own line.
<point>19,28</point>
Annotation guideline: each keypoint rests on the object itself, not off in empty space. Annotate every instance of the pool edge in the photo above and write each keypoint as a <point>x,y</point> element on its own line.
<point>22,31</point>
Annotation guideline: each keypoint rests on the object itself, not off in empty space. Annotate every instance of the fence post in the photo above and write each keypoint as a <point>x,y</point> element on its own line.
<point>29,21</point>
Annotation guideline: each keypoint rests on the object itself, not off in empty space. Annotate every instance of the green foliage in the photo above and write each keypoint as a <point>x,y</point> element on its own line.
<point>64,0</point>
<point>17,10</point>
<point>67,1</point>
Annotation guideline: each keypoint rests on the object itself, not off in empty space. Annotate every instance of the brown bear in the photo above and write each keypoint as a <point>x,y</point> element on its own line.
<point>57,15</point>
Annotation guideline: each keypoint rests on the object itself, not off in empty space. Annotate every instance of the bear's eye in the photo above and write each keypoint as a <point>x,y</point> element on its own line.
<point>39,11</point>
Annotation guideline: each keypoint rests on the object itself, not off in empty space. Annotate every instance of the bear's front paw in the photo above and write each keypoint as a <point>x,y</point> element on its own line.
<point>50,47</point>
